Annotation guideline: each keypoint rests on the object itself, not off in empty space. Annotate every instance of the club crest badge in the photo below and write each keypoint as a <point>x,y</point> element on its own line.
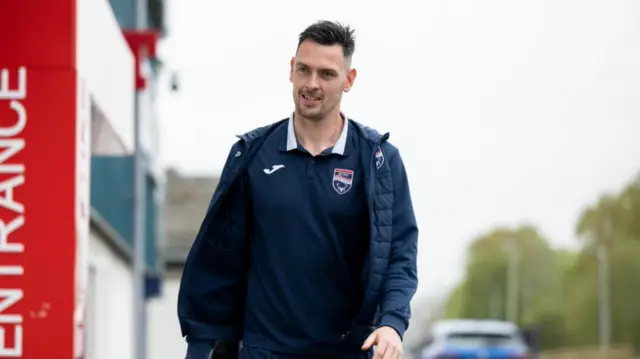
<point>379,158</point>
<point>342,180</point>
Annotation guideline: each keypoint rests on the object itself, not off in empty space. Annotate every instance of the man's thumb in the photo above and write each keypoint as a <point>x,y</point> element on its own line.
<point>371,340</point>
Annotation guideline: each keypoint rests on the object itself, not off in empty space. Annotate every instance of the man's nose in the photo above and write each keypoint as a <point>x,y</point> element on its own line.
<point>313,81</point>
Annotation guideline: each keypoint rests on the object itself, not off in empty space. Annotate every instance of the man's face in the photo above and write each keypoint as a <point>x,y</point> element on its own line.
<point>319,75</point>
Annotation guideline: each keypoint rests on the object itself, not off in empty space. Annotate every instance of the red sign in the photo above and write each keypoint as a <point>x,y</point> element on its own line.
<point>44,164</point>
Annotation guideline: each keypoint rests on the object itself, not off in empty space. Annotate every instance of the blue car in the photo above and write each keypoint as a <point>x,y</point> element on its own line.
<point>475,339</point>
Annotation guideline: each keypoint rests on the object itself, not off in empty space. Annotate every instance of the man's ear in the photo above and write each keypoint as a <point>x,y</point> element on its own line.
<point>351,78</point>
<point>293,62</point>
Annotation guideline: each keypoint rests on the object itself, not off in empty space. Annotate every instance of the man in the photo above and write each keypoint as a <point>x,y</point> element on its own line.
<point>308,248</point>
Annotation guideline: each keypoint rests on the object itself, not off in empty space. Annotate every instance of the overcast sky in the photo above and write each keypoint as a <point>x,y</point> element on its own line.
<point>505,111</point>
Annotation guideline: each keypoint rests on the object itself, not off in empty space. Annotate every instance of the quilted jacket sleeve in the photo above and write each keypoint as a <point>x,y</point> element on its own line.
<point>401,280</point>
<point>210,295</point>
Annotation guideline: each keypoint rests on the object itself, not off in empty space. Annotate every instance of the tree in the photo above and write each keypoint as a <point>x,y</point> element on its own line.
<point>613,221</point>
<point>558,290</point>
<point>484,291</point>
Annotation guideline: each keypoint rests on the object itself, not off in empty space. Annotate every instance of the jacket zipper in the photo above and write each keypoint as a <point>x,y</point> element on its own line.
<point>370,206</point>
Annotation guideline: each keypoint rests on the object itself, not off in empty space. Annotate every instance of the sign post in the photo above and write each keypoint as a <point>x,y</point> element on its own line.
<point>44,181</point>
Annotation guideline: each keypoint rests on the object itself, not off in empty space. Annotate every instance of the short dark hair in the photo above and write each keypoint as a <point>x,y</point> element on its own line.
<point>330,33</point>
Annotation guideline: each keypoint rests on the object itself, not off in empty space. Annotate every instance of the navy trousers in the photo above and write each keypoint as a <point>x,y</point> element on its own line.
<point>257,353</point>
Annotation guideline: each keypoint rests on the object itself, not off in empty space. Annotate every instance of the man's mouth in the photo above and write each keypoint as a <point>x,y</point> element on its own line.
<point>310,98</point>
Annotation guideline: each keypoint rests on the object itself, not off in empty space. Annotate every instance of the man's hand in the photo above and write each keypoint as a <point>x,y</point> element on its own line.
<point>387,341</point>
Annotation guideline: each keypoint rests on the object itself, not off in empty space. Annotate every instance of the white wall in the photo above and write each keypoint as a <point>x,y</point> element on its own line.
<point>109,304</point>
<point>106,64</point>
<point>105,61</point>
<point>163,330</point>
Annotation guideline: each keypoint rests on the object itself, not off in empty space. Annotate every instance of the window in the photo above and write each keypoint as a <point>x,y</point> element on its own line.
<point>471,339</point>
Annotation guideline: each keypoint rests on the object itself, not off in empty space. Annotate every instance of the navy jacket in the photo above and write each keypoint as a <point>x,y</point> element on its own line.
<point>213,285</point>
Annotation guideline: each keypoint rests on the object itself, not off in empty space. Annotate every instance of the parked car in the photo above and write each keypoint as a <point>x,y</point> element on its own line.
<point>475,339</point>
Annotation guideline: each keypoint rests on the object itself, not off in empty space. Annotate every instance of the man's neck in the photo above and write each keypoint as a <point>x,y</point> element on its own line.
<point>316,136</point>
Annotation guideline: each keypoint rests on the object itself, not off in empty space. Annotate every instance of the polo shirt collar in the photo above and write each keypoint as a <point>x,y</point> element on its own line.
<point>338,148</point>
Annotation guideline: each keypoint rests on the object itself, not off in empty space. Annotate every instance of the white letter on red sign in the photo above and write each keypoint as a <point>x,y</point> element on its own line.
<point>11,147</point>
<point>18,94</point>
<point>7,201</point>
<point>5,231</point>
<point>9,297</point>
<point>20,125</point>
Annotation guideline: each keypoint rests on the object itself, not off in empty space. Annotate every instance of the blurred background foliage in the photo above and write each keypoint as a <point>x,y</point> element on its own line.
<point>514,274</point>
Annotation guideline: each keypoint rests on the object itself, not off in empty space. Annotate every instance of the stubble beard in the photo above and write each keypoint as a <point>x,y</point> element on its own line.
<point>316,114</point>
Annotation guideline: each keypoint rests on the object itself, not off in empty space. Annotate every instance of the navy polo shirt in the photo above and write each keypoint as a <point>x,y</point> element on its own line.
<point>309,236</point>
